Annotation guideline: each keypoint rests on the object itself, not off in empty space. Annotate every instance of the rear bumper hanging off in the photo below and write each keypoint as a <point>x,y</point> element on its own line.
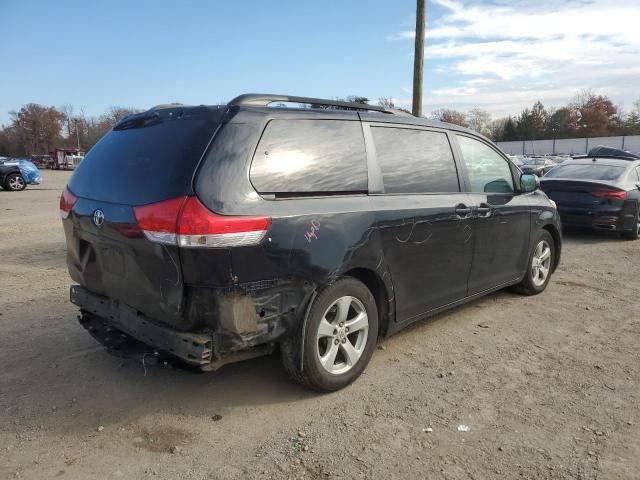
<point>193,348</point>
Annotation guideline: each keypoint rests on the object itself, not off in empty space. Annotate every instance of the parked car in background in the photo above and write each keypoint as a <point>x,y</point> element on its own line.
<point>16,174</point>
<point>537,165</point>
<point>558,159</point>
<point>599,192</point>
<point>602,151</point>
<point>216,234</point>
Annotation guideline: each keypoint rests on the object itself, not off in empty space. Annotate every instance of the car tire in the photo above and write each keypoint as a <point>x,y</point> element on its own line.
<point>534,282</point>
<point>634,233</point>
<point>15,182</point>
<point>340,335</point>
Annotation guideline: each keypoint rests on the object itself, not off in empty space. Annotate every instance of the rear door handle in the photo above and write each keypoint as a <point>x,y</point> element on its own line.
<point>484,210</point>
<point>462,210</point>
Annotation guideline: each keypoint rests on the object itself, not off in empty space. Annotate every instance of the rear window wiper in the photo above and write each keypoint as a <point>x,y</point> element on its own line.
<point>138,120</point>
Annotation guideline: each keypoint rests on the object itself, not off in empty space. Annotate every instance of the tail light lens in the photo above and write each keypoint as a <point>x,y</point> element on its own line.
<point>67,201</point>
<point>186,222</point>
<point>617,194</point>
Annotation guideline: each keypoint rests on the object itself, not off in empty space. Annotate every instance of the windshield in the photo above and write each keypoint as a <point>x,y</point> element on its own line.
<point>586,172</point>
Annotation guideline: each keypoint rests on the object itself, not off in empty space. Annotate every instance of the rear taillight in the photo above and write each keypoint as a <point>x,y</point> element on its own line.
<point>186,222</point>
<point>159,221</point>
<point>67,201</point>
<point>617,194</point>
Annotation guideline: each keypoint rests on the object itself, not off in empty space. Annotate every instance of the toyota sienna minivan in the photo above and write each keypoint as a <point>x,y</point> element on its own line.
<point>216,234</point>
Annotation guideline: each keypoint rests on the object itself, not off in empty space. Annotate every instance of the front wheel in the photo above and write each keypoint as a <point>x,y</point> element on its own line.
<point>15,182</point>
<point>540,266</point>
<point>339,337</point>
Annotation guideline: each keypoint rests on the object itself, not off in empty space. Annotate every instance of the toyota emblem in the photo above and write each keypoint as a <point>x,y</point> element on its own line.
<point>98,218</point>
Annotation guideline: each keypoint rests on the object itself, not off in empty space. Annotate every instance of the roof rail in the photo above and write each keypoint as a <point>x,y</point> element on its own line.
<point>167,105</point>
<point>264,99</point>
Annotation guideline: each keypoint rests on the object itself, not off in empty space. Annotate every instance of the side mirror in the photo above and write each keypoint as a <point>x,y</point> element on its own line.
<point>529,183</point>
<point>638,185</point>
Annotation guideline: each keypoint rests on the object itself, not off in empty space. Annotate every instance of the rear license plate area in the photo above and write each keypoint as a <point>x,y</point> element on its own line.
<point>112,261</point>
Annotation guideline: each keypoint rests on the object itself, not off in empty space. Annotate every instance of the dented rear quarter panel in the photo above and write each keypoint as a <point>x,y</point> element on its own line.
<point>311,242</point>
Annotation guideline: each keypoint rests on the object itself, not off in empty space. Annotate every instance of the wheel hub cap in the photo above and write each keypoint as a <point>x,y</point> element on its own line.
<point>541,263</point>
<point>342,335</point>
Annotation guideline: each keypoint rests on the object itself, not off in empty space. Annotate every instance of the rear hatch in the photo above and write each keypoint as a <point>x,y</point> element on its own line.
<point>582,194</point>
<point>586,202</point>
<point>146,159</point>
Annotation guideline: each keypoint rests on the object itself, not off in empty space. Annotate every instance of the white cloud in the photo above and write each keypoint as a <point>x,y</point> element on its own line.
<point>505,55</point>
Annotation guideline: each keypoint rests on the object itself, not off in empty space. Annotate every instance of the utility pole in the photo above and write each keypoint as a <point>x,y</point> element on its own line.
<point>77,133</point>
<point>418,59</point>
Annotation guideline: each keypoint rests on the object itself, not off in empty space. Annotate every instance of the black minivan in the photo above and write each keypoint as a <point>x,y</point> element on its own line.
<point>215,234</point>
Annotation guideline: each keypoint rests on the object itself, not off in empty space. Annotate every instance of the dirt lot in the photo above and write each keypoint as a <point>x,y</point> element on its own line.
<point>549,386</point>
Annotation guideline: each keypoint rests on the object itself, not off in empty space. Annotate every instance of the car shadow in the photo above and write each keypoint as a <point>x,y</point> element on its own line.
<point>57,376</point>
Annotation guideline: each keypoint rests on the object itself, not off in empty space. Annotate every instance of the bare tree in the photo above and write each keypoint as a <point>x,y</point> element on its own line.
<point>37,128</point>
<point>116,113</point>
<point>480,121</point>
<point>386,102</point>
<point>450,116</point>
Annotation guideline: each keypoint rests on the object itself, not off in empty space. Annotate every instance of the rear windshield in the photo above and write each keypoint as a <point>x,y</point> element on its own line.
<point>147,160</point>
<point>586,172</point>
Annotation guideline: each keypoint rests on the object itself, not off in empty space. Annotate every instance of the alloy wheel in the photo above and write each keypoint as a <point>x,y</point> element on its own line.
<point>342,335</point>
<point>16,183</point>
<point>541,263</point>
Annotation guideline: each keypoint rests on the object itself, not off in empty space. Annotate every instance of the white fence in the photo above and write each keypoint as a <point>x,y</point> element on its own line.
<point>569,146</point>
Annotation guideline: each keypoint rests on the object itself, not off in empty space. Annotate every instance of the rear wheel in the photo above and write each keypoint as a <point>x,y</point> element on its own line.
<point>339,339</point>
<point>634,233</point>
<point>539,267</point>
<point>15,182</point>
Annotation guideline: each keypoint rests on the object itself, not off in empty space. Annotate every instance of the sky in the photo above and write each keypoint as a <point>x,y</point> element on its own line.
<point>499,55</point>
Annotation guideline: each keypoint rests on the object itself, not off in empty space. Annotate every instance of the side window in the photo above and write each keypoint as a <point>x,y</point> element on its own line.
<point>415,161</point>
<point>638,174</point>
<point>487,170</point>
<point>308,156</point>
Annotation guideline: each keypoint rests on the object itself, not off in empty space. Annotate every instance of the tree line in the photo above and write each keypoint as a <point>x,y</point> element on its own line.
<point>587,115</point>
<point>38,129</point>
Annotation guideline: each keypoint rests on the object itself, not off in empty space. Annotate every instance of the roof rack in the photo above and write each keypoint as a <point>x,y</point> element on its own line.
<point>264,99</point>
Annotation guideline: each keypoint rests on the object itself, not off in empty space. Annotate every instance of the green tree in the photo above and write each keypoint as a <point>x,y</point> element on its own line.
<point>497,129</point>
<point>524,126</point>
<point>632,122</point>
<point>538,121</point>
<point>510,131</point>
<point>558,123</point>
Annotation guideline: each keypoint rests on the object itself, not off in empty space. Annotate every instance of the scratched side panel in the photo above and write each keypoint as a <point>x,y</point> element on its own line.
<point>427,247</point>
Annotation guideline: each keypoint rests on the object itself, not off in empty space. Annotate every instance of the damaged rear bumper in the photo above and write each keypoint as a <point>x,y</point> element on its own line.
<point>193,348</point>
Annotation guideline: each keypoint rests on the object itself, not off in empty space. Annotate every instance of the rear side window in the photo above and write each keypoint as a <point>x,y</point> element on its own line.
<point>586,172</point>
<point>415,161</point>
<point>310,156</point>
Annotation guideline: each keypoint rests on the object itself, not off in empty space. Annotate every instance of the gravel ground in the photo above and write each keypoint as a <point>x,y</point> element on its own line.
<point>547,386</point>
